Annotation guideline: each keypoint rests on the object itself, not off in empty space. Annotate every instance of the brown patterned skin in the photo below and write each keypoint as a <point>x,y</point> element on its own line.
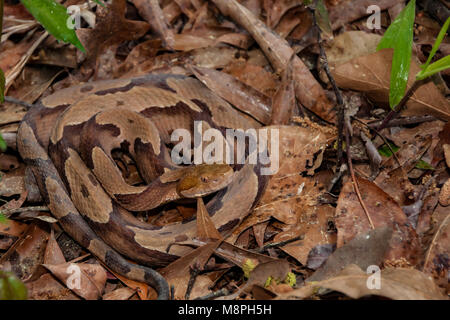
<point>66,140</point>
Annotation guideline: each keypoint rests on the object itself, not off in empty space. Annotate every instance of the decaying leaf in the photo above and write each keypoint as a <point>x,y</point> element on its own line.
<point>395,283</point>
<point>371,74</point>
<point>351,220</point>
<point>364,250</point>
<point>111,29</point>
<point>86,280</point>
<point>308,90</point>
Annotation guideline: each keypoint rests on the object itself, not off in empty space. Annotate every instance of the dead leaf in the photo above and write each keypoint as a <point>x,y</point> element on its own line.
<point>119,294</point>
<point>308,91</point>
<point>364,250</point>
<point>351,10</point>
<point>242,96</point>
<point>351,44</point>
<point>152,13</point>
<point>111,29</point>
<point>254,75</point>
<point>437,256</point>
<point>371,74</point>
<point>283,102</point>
<point>27,254</point>
<point>205,227</point>
<point>48,288</point>
<point>53,253</point>
<point>396,284</point>
<point>444,196</point>
<point>86,280</point>
<point>178,272</point>
<point>351,220</point>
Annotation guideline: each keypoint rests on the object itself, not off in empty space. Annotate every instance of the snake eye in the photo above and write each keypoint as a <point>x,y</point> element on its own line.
<point>203,179</point>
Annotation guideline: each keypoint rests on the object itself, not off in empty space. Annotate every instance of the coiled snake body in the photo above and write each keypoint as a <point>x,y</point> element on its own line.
<point>67,138</point>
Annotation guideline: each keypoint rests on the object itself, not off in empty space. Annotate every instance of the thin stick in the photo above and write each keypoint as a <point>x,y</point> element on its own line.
<point>279,244</point>
<point>194,273</point>
<point>394,113</point>
<point>215,294</point>
<point>337,92</point>
<point>9,212</point>
<point>355,182</point>
<point>18,102</point>
<point>403,121</point>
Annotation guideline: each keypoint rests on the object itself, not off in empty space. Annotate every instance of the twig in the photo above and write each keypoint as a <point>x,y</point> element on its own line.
<point>194,271</point>
<point>337,92</point>
<point>383,138</point>
<point>9,212</point>
<point>215,294</point>
<point>355,182</point>
<point>279,244</point>
<point>403,121</point>
<point>395,112</point>
<point>18,102</point>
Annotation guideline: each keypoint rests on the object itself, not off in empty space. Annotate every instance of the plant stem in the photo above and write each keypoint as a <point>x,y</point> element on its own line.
<point>395,112</point>
<point>337,92</point>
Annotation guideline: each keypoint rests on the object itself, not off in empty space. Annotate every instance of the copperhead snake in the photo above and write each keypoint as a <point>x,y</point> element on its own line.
<point>66,139</point>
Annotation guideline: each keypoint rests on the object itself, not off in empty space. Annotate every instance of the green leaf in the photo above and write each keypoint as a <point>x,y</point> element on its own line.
<point>424,165</point>
<point>2,86</point>
<point>437,43</point>
<point>385,151</point>
<point>3,145</point>
<point>11,288</point>
<point>323,20</point>
<point>100,3</point>
<point>3,219</point>
<point>399,36</point>
<point>53,18</point>
<point>433,68</point>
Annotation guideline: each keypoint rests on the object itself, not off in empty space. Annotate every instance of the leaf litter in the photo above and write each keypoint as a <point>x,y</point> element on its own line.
<point>307,226</point>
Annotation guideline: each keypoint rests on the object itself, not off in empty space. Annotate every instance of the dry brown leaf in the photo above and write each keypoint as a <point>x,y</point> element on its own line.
<point>119,294</point>
<point>277,270</point>
<point>283,101</point>
<point>371,74</point>
<point>86,280</point>
<point>312,225</point>
<point>141,288</point>
<point>287,192</point>
<point>351,10</point>
<point>275,9</point>
<point>205,227</point>
<point>437,256</point>
<point>152,13</point>
<point>27,254</point>
<point>351,220</point>
<point>444,196</point>
<point>446,148</point>
<point>32,82</point>
<point>396,284</point>
<point>350,45</point>
<point>259,231</point>
<point>308,91</point>
<point>178,272</point>
<point>53,253</point>
<point>111,29</point>
<point>12,183</point>
<point>242,96</point>
<point>364,250</point>
<point>48,288</point>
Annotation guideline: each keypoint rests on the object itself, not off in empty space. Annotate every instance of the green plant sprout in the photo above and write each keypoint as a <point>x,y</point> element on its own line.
<point>399,36</point>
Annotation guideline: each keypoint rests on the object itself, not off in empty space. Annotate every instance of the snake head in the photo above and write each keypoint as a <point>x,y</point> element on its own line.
<point>205,179</point>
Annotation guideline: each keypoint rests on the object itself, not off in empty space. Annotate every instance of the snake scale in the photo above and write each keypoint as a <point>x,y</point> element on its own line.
<point>67,138</point>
